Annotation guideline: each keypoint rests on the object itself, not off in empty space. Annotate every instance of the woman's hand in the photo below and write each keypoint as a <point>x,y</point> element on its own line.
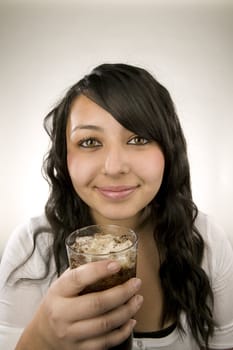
<point>67,321</point>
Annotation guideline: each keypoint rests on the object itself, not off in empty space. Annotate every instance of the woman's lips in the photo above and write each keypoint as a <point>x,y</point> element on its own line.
<point>116,192</point>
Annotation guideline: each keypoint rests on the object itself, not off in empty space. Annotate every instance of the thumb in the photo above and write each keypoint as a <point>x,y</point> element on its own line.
<point>73,281</point>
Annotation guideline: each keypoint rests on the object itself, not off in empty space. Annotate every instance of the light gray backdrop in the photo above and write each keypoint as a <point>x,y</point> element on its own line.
<point>48,45</point>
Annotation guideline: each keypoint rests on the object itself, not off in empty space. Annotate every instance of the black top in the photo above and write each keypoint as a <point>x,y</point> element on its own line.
<point>157,334</point>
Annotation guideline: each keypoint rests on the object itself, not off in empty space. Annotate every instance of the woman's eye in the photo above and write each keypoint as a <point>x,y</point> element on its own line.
<point>138,140</point>
<point>89,143</point>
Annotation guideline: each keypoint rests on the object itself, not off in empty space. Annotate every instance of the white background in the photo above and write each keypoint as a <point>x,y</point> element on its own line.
<point>46,46</point>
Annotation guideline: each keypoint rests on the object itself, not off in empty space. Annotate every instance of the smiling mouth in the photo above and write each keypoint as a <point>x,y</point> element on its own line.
<point>116,192</point>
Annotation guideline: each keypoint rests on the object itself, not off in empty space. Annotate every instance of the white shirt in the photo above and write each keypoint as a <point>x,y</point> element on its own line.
<point>19,301</point>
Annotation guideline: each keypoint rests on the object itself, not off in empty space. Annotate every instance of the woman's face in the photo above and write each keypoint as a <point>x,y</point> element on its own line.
<point>115,172</point>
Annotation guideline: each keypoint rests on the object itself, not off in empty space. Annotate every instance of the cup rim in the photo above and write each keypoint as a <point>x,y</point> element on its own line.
<point>101,254</point>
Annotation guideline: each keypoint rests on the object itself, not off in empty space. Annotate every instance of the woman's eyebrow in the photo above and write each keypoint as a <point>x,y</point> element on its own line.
<point>88,127</point>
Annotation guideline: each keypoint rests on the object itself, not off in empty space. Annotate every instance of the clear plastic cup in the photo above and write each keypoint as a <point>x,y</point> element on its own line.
<point>101,242</point>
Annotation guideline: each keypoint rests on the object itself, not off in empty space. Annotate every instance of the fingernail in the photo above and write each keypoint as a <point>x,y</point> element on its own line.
<point>137,283</point>
<point>114,266</point>
<point>139,299</point>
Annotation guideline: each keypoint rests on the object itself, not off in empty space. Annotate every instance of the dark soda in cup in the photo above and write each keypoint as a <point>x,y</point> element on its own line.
<point>101,242</point>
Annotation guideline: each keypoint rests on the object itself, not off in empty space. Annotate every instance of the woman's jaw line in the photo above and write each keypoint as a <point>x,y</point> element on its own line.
<point>136,222</point>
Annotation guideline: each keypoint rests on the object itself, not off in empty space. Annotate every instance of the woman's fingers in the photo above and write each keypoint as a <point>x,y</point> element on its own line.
<point>109,340</point>
<point>94,304</point>
<point>106,322</point>
<point>101,317</point>
<point>73,281</point>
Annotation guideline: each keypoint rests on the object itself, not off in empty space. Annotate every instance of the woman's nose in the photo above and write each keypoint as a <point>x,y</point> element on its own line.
<point>116,162</point>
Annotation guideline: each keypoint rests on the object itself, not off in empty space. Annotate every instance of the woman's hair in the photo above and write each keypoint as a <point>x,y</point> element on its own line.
<point>141,104</point>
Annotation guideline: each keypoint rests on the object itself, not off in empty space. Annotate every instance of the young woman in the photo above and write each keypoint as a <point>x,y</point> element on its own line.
<point>118,155</point>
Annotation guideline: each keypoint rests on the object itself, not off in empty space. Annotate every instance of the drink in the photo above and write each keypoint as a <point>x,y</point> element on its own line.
<point>100,242</point>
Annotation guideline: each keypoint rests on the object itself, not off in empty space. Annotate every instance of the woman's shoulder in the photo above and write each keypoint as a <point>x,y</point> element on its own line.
<point>218,249</point>
<point>23,236</point>
<point>218,264</point>
<point>28,250</point>
<point>211,231</point>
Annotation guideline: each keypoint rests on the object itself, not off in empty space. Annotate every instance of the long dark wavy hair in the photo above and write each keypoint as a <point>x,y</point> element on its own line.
<point>141,104</point>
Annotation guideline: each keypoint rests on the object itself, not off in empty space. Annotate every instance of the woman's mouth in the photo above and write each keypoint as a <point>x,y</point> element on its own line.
<point>116,192</point>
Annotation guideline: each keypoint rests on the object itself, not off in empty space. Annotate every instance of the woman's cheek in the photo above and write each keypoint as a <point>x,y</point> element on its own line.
<point>150,167</point>
<point>80,171</point>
